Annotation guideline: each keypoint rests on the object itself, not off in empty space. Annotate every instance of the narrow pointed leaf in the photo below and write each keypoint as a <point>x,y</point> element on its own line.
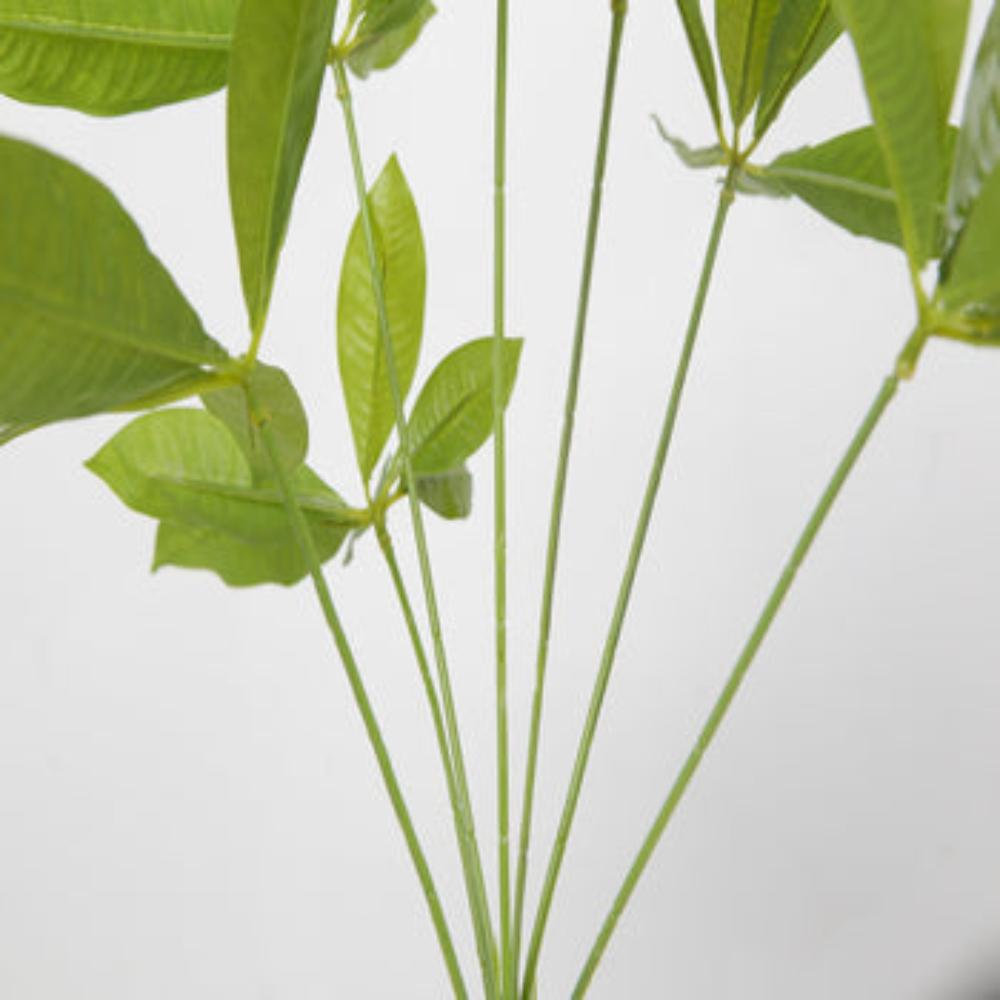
<point>694,27</point>
<point>90,320</point>
<point>447,493</point>
<point>690,156</point>
<point>277,399</point>
<point>453,415</point>
<point>803,31</point>
<point>276,71</point>
<point>973,275</point>
<point>945,23</point>
<point>743,30</point>
<point>362,363</point>
<point>386,33</point>
<point>115,56</point>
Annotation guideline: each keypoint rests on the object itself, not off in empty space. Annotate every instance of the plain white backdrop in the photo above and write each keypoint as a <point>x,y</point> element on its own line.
<point>188,806</point>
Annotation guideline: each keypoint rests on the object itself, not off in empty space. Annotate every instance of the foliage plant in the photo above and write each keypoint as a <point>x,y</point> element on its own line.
<point>91,322</point>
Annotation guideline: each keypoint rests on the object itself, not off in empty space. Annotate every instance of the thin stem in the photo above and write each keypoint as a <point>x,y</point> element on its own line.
<point>475,885</point>
<point>739,671</point>
<point>509,969</point>
<point>628,578</point>
<point>307,547</point>
<point>562,466</point>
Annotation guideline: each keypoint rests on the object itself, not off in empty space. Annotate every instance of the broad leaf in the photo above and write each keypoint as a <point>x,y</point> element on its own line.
<point>276,71</point>
<point>184,466</point>
<point>945,23</point>
<point>899,66</point>
<point>978,151</point>
<point>447,493</point>
<point>363,373</point>
<point>276,397</point>
<point>241,563</point>
<point>453,415</point>
<point>89,319</point>
<point>109,57</point>
<point>973,274</point>
<point>694,27</point>
<point>386,32</point>
<point>695,157</point>
<point>742,30</point>
<point>803,31</point>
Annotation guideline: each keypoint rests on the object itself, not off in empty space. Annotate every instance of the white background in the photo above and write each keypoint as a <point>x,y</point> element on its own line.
<point>188,807</point>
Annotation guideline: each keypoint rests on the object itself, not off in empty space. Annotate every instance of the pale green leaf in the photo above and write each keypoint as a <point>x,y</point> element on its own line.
<point>447,493</point>
<point>694,27</point>
<point>89,319</point>
<point>742,31</point>
<point>945,23</point>
<point>276,398</point>
<point>695,157</point>
<point>276,70</point>
<point>386,34</point>
<point>973,273</point>
<point>109,57</point>
<point>363,373</point>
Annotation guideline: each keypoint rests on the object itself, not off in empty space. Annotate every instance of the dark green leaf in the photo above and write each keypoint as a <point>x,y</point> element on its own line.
<point>116,56</point>
<point>973,274</point>
<point>742,30</point>
<point>694,27</point>
<point>696,158</point>
<point>453,415</point>
<point>89,319</point>
<point>363,373</point>
<point>276,397</point>
<point>276,70</point>
<point>386,33</point>
<point>447,493</point>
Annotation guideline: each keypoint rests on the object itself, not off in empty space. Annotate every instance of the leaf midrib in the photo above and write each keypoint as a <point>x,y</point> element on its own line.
<point>122,33</point>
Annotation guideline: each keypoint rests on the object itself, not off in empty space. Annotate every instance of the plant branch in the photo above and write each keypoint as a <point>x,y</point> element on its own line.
<point>739,671</point>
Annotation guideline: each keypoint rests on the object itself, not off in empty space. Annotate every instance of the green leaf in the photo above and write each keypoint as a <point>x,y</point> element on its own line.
<point>115,56</point>
<point>453,415</point>
<point>276,71</point>
<point>185,467</point>
<point>694,27</point>
<point>973,274</point>
<point>901,69</point>
<point>89,319</point>
<point>742,31</point>
<point>277,399</point>
<point>363,374</point>
<point>978,151</point>
<point>447,493</point>
<point>803,31</point>
<point>241,563</point>
<point>945,23</point>
<point>696,158</point>
<point>387,31</point>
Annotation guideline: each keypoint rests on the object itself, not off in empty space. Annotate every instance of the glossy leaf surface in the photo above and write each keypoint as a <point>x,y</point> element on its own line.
<point>387,30</point>
<point>89,319</point>
<point>276,71</point>
<point>109,57</point>
<point>363,372</point>
<point>447,493</point>
<point>743,32</point>
<point>694,28</point>
<point>973,275</point>
<point>453,415</point>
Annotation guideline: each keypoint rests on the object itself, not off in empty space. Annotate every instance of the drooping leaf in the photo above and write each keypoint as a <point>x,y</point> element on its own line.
<point>184,466</point>
<point>276,397</point>
<point>803,31</point>
<point>694,27</point>
<point>114,56</point>
<point>978,151</point>
<point>362,362</point>
<point>240,563</point>
<point>453,415</point>
<point>696,158</point>
<point>89,319</point>
<point>742,31</point>
<point>386,32</point>
<point>447,493</point>
<point>846,180</point>
<point>898,68</point>
<point>276,69</point>
<point>973,274</point>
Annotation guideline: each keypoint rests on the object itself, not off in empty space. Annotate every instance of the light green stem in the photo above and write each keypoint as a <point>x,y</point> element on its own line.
<point>739,671</point>
<point>509,969</point>
<point>562,466</point>
<point>476,888</point>
<point>307,547</point>
<point>628,578</point>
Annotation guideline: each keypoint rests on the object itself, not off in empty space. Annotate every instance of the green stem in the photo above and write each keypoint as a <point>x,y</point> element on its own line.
<point>476,888</point>
<point>628,578</point>
<point>562,466</point>
<point>509,969</point>
<point>307,547</point>
<point>739,671</point>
